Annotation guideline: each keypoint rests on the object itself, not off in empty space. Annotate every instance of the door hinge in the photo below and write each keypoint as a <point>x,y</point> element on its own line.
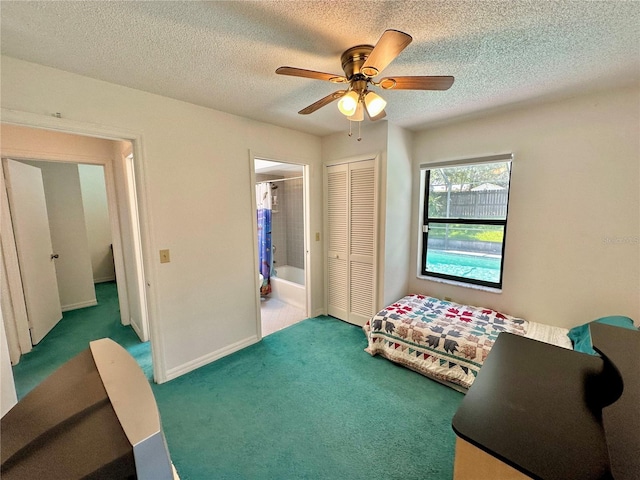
<point>425,228</point>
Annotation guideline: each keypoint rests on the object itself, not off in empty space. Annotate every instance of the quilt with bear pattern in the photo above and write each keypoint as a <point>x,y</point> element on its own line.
<point>437,338</point>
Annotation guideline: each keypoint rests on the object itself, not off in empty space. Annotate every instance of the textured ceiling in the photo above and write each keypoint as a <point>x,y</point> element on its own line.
<point>224,55</point>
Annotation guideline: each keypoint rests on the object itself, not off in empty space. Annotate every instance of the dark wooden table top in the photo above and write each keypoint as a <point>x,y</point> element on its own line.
<point>538,408</point>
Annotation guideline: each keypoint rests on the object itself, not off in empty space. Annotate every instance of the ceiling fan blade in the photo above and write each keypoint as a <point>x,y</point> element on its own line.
<point>417,83</point>
<point>322,102</point>
<point>301,72</point>
<point>391,43</point>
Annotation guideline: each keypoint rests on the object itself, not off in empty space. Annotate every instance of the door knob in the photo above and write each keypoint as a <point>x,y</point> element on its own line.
<point>54,256</point>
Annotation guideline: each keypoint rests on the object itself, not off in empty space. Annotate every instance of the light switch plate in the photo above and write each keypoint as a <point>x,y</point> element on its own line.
<point>164,256</point>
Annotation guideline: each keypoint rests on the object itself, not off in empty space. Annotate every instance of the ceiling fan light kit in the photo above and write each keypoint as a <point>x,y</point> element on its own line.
<point>358,115</point>
<point>348,103</point>
<point>375,104</point>
<point>360,64</point>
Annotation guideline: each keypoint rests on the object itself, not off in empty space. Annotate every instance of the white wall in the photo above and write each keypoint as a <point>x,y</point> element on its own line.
<point>572,245</point>
<point>340,146</point>
<point>96,214</point>
<point>398,214</point>
<point>68,234</point>
<point>197,192</point>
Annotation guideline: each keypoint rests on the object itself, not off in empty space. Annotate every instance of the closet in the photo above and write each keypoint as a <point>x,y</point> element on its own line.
<point>351,240</point>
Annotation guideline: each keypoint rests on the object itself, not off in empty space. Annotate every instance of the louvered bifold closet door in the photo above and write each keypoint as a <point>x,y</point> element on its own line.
<point>337,236</point>
<point>351,237</point>
<point>361,241</point>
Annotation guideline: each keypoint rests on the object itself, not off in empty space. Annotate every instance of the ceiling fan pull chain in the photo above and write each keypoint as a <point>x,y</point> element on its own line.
<point>359,136</point>
<point>350,127</point>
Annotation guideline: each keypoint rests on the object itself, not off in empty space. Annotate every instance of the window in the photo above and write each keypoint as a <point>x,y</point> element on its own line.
<point>465,220</point>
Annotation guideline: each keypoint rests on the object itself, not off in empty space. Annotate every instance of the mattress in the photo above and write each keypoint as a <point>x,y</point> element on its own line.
<point>446,341</point>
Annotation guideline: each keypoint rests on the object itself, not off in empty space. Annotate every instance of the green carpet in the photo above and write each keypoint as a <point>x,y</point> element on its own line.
<point>73,334</point>
<point>305,403</point>
<point>308,403</point>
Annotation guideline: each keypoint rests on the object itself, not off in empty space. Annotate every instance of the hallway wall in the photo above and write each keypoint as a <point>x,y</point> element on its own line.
<point>96,214</point>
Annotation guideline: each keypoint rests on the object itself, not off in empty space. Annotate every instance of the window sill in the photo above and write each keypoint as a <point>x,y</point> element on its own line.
<point>460,284</point>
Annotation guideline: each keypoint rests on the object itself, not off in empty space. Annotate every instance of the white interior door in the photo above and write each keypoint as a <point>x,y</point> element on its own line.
<point>33,243</point>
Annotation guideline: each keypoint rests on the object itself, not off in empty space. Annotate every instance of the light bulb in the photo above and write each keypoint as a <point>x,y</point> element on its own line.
<point>348,103</point>
<point>375,104</point>
<point>358,115</point>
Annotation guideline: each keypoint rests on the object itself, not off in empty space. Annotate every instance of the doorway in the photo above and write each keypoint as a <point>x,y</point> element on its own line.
<point>281,238</point>
<point>124,256</point>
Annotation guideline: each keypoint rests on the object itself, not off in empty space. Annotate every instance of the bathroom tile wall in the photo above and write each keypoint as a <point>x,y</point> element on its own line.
<point>287,221</point>
<point>279,226</point>
<point>293,209</point>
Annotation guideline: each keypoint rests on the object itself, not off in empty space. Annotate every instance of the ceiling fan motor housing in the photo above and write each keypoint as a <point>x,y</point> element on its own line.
<point>353,59</point>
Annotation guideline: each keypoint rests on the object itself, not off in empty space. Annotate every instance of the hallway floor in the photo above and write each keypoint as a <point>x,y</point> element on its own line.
<point>277,315</point>
<point>73,334</point>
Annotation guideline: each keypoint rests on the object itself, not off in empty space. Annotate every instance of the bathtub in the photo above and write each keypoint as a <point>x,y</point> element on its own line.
<point>287,285</point>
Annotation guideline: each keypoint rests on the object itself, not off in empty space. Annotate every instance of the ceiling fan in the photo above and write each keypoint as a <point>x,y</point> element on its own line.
<point>361,64</point>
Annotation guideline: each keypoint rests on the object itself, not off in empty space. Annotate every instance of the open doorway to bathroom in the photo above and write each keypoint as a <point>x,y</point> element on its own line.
<point>281,240</point>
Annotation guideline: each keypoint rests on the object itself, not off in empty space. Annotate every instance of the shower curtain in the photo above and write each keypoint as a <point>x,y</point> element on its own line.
<point>265,257</point>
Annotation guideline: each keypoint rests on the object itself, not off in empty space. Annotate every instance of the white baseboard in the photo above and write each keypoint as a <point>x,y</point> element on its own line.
<point>134,325</point>
<point>318,312</point>
<point>210,357</point>
<point>75,306</point>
